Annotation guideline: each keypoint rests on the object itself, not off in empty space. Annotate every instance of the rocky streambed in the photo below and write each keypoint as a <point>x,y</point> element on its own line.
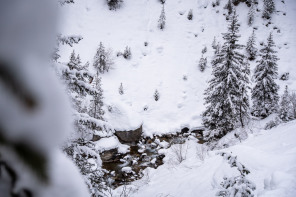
<point>143,152</point>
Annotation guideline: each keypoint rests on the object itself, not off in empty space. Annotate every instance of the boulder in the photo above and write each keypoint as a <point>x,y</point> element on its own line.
<point>130,136</point>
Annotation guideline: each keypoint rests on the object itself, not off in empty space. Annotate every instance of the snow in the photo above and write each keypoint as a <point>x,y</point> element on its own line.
<point>110,143</point>
<point>270,156</point>
<point>170,55</point>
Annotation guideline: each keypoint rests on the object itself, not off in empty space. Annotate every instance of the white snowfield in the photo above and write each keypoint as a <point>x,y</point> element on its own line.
<point>169,56</point>
<point>270,155</point>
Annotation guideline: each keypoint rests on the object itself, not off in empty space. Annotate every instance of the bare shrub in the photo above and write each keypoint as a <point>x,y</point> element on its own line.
<point>201,152</point>
<point>180,152</point>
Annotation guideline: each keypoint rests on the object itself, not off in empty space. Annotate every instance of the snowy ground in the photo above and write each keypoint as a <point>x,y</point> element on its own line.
<point>169,56</point>
<point>270,155</point>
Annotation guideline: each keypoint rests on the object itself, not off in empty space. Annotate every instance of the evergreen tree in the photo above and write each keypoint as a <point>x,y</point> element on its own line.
<point>286,108</point>
<point>265,92</point>
<point>214,43</point>
<point>190,15</point>
<point>251,47</point>
<point>224,94</point>
<point>121,91</point>
<point>202,63</point>
<point>204,50</point>
<point>229,7</point>
<point>293,103</point>
<point>161,20</point>
<point>251,13</point>
<point>244,104</point>
<point>127,54</point>
<point>102,59</point>
<point>268,8</point>
<point>156,95</point>
<point>114,4</point>
<point>96,108</point>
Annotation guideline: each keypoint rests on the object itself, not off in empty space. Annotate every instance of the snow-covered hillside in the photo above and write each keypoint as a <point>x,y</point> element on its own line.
<point>170,55</point>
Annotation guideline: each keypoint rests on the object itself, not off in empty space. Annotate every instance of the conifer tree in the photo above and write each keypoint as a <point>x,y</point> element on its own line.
<point>121,91</point>
<point>229,7</point>
<point>244,104</point>
<point>161,20</point>
<point>251,47</point>
<point>190,15</point>
<point>96,108</point>
<point>224,94</point>
<point>156,95</point>
<point>265,92</point>
<point>286,108</point>
<point>268,8</point>
<point>214,43</point>
<point>202,63</point>
<point>127,54</point>
<point>114,4</point>
<point>102,59</point>
<point>251,13</point>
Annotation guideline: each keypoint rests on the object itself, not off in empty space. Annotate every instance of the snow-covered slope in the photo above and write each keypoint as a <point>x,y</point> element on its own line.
<point>170,55</point>
<point>269,155</point>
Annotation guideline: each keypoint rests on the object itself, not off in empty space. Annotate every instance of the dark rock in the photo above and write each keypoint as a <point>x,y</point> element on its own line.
<point>110,156</point>
<point>96,138</point>
<point>129,136</point>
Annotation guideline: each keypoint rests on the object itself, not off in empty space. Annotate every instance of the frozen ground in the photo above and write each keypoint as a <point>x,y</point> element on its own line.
<point>170,55</point>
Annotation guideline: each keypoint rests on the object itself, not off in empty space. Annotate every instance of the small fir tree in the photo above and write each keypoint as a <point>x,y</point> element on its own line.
<point>121,91</point>
<point>202,63</point>
<point>190,15</point>
<point>156,95</point>
<point>268,8</point>
<point>96,107</point>
<point>229,7</point>
<point>293,103</point>
<point>251,13</point>
<point>251,47</point>
<point>127,54</point>
<point>286,107</point>
<point>114,4</point>
<point>265,92</point>
<point>204,50</point>
<point>102,59</point>
<point>214,43</point>
<point>161,20</point>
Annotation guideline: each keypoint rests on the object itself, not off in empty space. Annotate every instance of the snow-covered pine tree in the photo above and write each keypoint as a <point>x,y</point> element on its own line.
<point>156,95</point>
<point>127,54</point>
<point>244,103</point>
<point>229,7</point>
<point>268,8</point>
<point>102,59</point>
<point>251,13</point>
<point>265,92</point>
<point>114,4</point>
<point>293,101</point>
<point>214,43</point>
<point>202,63</point>
<point>190,15</point>
<point>120,90</point>
<point>224,94</point>
<point>88,122</point>
<point>204,50</point>
<point>286,108</point>
<point>162,18</point>
<point>96,107</point>
<point>251,47</point>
